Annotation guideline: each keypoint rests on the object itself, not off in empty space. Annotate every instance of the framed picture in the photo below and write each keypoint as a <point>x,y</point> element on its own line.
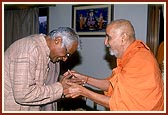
<point>91,20</point>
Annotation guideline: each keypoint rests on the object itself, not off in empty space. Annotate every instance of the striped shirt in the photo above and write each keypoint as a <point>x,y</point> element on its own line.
<point>25,71</point>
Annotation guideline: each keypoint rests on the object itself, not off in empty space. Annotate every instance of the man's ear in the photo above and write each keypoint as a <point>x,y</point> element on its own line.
<point>124,38</point>
<point>58,40</point>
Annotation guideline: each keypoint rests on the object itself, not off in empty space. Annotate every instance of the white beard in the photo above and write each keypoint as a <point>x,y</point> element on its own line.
<point>113,52</point>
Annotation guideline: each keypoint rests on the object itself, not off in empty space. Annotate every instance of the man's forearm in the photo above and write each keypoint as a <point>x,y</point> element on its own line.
<point>101,84</point>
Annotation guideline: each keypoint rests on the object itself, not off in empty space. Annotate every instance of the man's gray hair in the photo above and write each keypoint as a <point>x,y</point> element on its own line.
<point>67,34</point>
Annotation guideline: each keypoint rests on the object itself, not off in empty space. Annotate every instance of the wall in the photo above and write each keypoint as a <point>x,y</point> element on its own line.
<point>93,51</point>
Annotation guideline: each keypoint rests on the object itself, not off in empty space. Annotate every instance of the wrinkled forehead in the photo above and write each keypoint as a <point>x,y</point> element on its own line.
<point>113,29</point>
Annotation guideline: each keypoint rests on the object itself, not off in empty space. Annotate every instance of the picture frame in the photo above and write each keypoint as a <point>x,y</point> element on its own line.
<point>91,20</point>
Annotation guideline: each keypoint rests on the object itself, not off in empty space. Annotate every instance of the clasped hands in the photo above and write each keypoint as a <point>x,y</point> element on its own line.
<point>73,83</point>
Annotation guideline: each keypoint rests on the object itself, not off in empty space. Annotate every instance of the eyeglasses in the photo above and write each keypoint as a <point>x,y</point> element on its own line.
<point>67,55</point>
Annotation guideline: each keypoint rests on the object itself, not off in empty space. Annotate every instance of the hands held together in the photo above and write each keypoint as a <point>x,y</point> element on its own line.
<point>73,83</point>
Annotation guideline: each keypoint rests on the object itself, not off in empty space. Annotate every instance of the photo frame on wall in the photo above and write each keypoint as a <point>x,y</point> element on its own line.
<point>91,20</point>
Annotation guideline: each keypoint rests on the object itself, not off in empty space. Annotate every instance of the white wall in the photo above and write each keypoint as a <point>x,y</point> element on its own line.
<point>137,14</point>
<point>60,16</point>
<point>93,50</point>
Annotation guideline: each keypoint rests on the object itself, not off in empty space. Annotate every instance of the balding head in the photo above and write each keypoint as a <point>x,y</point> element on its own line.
<point>119,35</point>
<point>122,26</point>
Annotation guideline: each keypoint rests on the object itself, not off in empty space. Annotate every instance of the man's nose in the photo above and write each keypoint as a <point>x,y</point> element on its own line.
<point>106,42</point>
